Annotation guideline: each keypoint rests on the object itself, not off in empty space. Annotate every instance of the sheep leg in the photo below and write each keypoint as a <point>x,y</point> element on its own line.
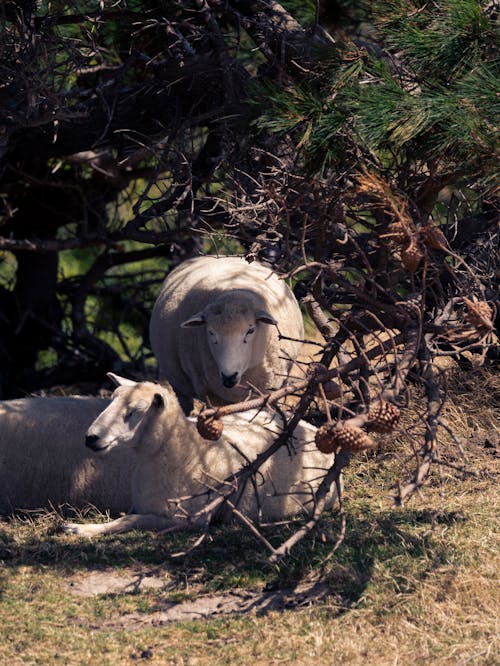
<point>132,521</point>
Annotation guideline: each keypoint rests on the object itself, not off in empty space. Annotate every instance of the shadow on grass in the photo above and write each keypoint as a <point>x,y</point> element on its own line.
<point>401,540</point>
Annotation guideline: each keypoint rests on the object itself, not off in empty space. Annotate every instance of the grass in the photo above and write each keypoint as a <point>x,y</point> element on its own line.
<point>416,585</point>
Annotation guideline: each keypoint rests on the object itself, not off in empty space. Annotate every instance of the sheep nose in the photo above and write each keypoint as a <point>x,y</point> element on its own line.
<point>91,442</point>
<point>229,380</point>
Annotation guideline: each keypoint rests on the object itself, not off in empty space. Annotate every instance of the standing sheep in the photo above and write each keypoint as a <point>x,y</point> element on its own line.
<point>233,313</point>
<point>43,462</point>
<point>174,462</point>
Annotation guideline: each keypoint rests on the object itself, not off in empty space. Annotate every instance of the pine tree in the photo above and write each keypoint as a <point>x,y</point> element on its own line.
<point>420,92</point>
<point>352,145</point>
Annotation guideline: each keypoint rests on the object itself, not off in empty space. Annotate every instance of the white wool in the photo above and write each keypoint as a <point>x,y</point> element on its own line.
<point>173,461</point>
<point>230,293</point>
<point>44,461</point>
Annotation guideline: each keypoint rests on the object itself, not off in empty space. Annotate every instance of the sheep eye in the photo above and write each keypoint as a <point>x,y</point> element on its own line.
<point>249,332</point>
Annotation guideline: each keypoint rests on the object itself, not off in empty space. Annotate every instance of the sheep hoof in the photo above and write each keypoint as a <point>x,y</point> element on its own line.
<point>73,528</point>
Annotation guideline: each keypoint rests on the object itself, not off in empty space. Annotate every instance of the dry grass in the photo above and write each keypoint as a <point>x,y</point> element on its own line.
<point>417,585</point>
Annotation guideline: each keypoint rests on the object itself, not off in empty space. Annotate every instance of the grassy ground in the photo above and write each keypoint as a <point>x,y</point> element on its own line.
<point>416,585</point>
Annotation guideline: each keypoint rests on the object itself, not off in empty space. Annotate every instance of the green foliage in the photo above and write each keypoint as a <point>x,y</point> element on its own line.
<point>303,10</point>
<point>439,41</point>
<point>431,94</point>
<point>317,111</point>
<point>76,261</point>
<point>134,144</point>
<point>8,267</point>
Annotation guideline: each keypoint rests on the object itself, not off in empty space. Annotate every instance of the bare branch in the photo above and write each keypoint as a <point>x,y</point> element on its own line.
<point>332,476</point>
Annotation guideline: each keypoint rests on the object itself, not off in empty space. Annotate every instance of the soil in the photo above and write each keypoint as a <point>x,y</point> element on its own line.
<point>204,606</point>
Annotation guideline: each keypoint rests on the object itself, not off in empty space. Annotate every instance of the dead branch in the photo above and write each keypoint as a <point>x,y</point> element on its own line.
<point>332,476</point>
<point>319,375</point>
<point>248,523</point>
<point>140,141</point>
<point>425,457</point>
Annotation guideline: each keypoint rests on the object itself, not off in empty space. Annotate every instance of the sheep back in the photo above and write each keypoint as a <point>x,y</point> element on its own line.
<point>44,461</point>
<point>184,357</point>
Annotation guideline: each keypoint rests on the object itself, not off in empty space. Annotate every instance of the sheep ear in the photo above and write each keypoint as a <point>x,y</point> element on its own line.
<point>265,317</point>
<point>158,401</point>
<point>198,319</point>
<point>120,381</point>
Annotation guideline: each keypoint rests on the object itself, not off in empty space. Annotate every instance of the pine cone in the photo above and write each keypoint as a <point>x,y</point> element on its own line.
<point>210,428</point>
<point>412,304</point>
<point>325,438</point>
<point>332,390</point>
<point>411,256</point>
<point>316,369</point>
<point>397,233</point>
<point>330,437</point>
<point>383,417</point>
<point>353,439</point>
<point>479,314</point>
<point>433,237</point>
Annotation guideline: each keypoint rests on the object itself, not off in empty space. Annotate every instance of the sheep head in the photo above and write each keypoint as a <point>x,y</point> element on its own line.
<point>236,336</point>
<point>133,409</point>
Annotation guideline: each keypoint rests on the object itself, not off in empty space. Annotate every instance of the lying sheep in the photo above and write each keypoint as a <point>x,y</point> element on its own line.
<point>43,462</point>
<point>233,312</point>
<point>173,461</point>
